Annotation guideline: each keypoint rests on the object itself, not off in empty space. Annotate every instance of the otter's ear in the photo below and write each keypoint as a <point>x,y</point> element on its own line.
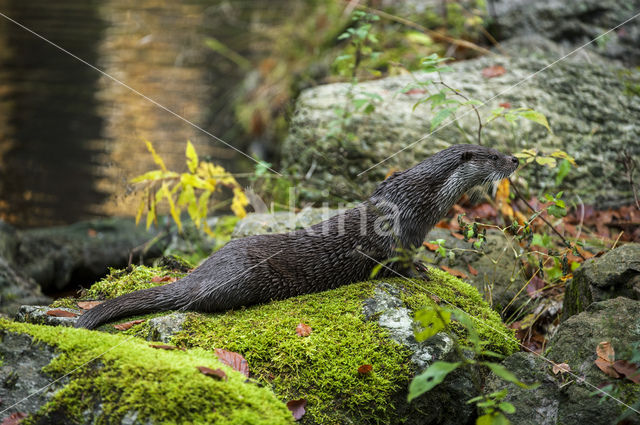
<point>466,156</point>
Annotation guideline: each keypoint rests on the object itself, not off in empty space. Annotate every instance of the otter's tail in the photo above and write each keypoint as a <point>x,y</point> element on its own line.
<point>172,296</point>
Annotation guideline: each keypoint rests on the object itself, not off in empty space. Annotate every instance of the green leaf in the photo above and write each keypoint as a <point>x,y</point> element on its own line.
<point>495,418</point>
<point>431,377</point>
<point>507,407</point>
<point>433,321</point>
<point>556,211</point>
<point>545,160</point>
<point>441,116</point>
<point>192,157</point>
<point>419,38</point>
<point>536,117</point>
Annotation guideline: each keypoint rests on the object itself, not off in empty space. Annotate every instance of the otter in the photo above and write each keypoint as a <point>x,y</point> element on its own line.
<point>341,250</point>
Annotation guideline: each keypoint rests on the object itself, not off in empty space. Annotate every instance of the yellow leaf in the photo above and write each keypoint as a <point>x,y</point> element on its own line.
<point>140,210</point>
<point>203,204</point>
<point>150,175</point>
<point>151,214</point>
<point>550,162</point>
<point>502,198</point>
<point>208,230</point>
<point>186,196</point>
<point>192,157</point>
<point>239,201</point>
<point>156,157</point>
<point>175,213</point>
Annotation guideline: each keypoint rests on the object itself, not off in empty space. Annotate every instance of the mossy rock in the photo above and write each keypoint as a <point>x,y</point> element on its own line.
<point>323,367</point>
<point>107,378</point>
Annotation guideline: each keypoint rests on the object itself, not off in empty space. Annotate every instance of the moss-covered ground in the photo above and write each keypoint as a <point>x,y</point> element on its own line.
<point>322,367</point>
<point>128,375</point>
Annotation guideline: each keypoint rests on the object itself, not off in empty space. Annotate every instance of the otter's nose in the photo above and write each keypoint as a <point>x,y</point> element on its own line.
<point>515,160</point>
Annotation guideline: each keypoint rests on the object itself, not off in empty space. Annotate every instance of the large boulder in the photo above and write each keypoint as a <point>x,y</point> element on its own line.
<point>591,107</point>
<point>64,375</point>
<point>615,274</point>
<point>573,24</point>
<point>82,252</point>
<point>368,323</point>
<point>574,399</point>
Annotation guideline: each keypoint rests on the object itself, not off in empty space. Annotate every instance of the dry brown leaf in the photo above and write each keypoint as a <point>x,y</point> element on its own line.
<point>628,370</point>
<point>61,313</point>
<point>92,233</point>
<point>472,270</point>
<point>214,373</point>
<point>14,419</point>
<point>303,330</point>
<point>493,71</point>
<point>605,351</point>
<point>505,105</point>
<point>88,305</point>
<point>158,279</point>
<point>364,369</point>
<point>234,360</point>
<point>454,272</point>
<point>166,347</point>
<point>606,356</point>
<point>128,325</point>
<point>560,368</point>
<point>457,235</point>
<point>431,246</point>
<point>297,408</point>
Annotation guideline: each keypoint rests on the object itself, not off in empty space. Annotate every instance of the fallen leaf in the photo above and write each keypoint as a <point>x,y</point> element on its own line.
<point>416,91</point>
<point>61,313</point>
<point>234,360</point>
<point>128,325</point>
<point>457,235</point>
<point>166,347</point>
<point>436,299</point>
<point>303,330</point>
<point>431,246</point>
<point>505,105</point>
<point>606,355</point>
<point>454,272</point>
<point>560,368</point>
<point>628,370</point>
<point>14,419</point>
<point>605,351</point>
<point>92,233</point>
<point>158,279</point>
<point>534,286</point>
<point>88,305</point>
<point>364,369</point>
<point>214,373</point>
<point>472,270</point>
<point>297,408</point>
<point>493,71</point>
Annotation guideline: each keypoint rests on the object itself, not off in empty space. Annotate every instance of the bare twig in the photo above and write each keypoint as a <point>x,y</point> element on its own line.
<point>431,33</point>
<point>564,241</point>
<point>630,165</point>
<point>472,105</point>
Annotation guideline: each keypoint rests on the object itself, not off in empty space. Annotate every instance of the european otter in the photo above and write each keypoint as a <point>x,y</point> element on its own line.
<point>260,268</point>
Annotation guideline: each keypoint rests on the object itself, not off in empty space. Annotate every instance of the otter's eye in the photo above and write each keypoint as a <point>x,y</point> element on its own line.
<point>494,157</point>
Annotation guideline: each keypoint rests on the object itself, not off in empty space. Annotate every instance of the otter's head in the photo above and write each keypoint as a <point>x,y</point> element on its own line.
<point>466,167</point>
<point>479,165</point>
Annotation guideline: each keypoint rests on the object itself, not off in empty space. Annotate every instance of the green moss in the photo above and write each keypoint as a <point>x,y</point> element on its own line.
<point>120,282</point>
<point>490,328</point>
<point>163,386</point>
<point>69,302</point>
<point>323,367</point>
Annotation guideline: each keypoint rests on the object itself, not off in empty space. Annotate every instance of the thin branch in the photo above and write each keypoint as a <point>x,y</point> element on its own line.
<point>431,33</point>
<point>472,105</point>
<point>566,242</point>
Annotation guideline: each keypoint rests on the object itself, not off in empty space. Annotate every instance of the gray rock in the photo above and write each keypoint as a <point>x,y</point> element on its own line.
<point>574,23</point>
<point>447,404</point>
<point>281,221</point>
<point>81,252</point>
<point>21,374</point>
<point>17,289</point>
<point>164,327</point>
<point>615,274</point>
<point>37,315</point>
<point>565,398</point>
<point>589,107</point>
